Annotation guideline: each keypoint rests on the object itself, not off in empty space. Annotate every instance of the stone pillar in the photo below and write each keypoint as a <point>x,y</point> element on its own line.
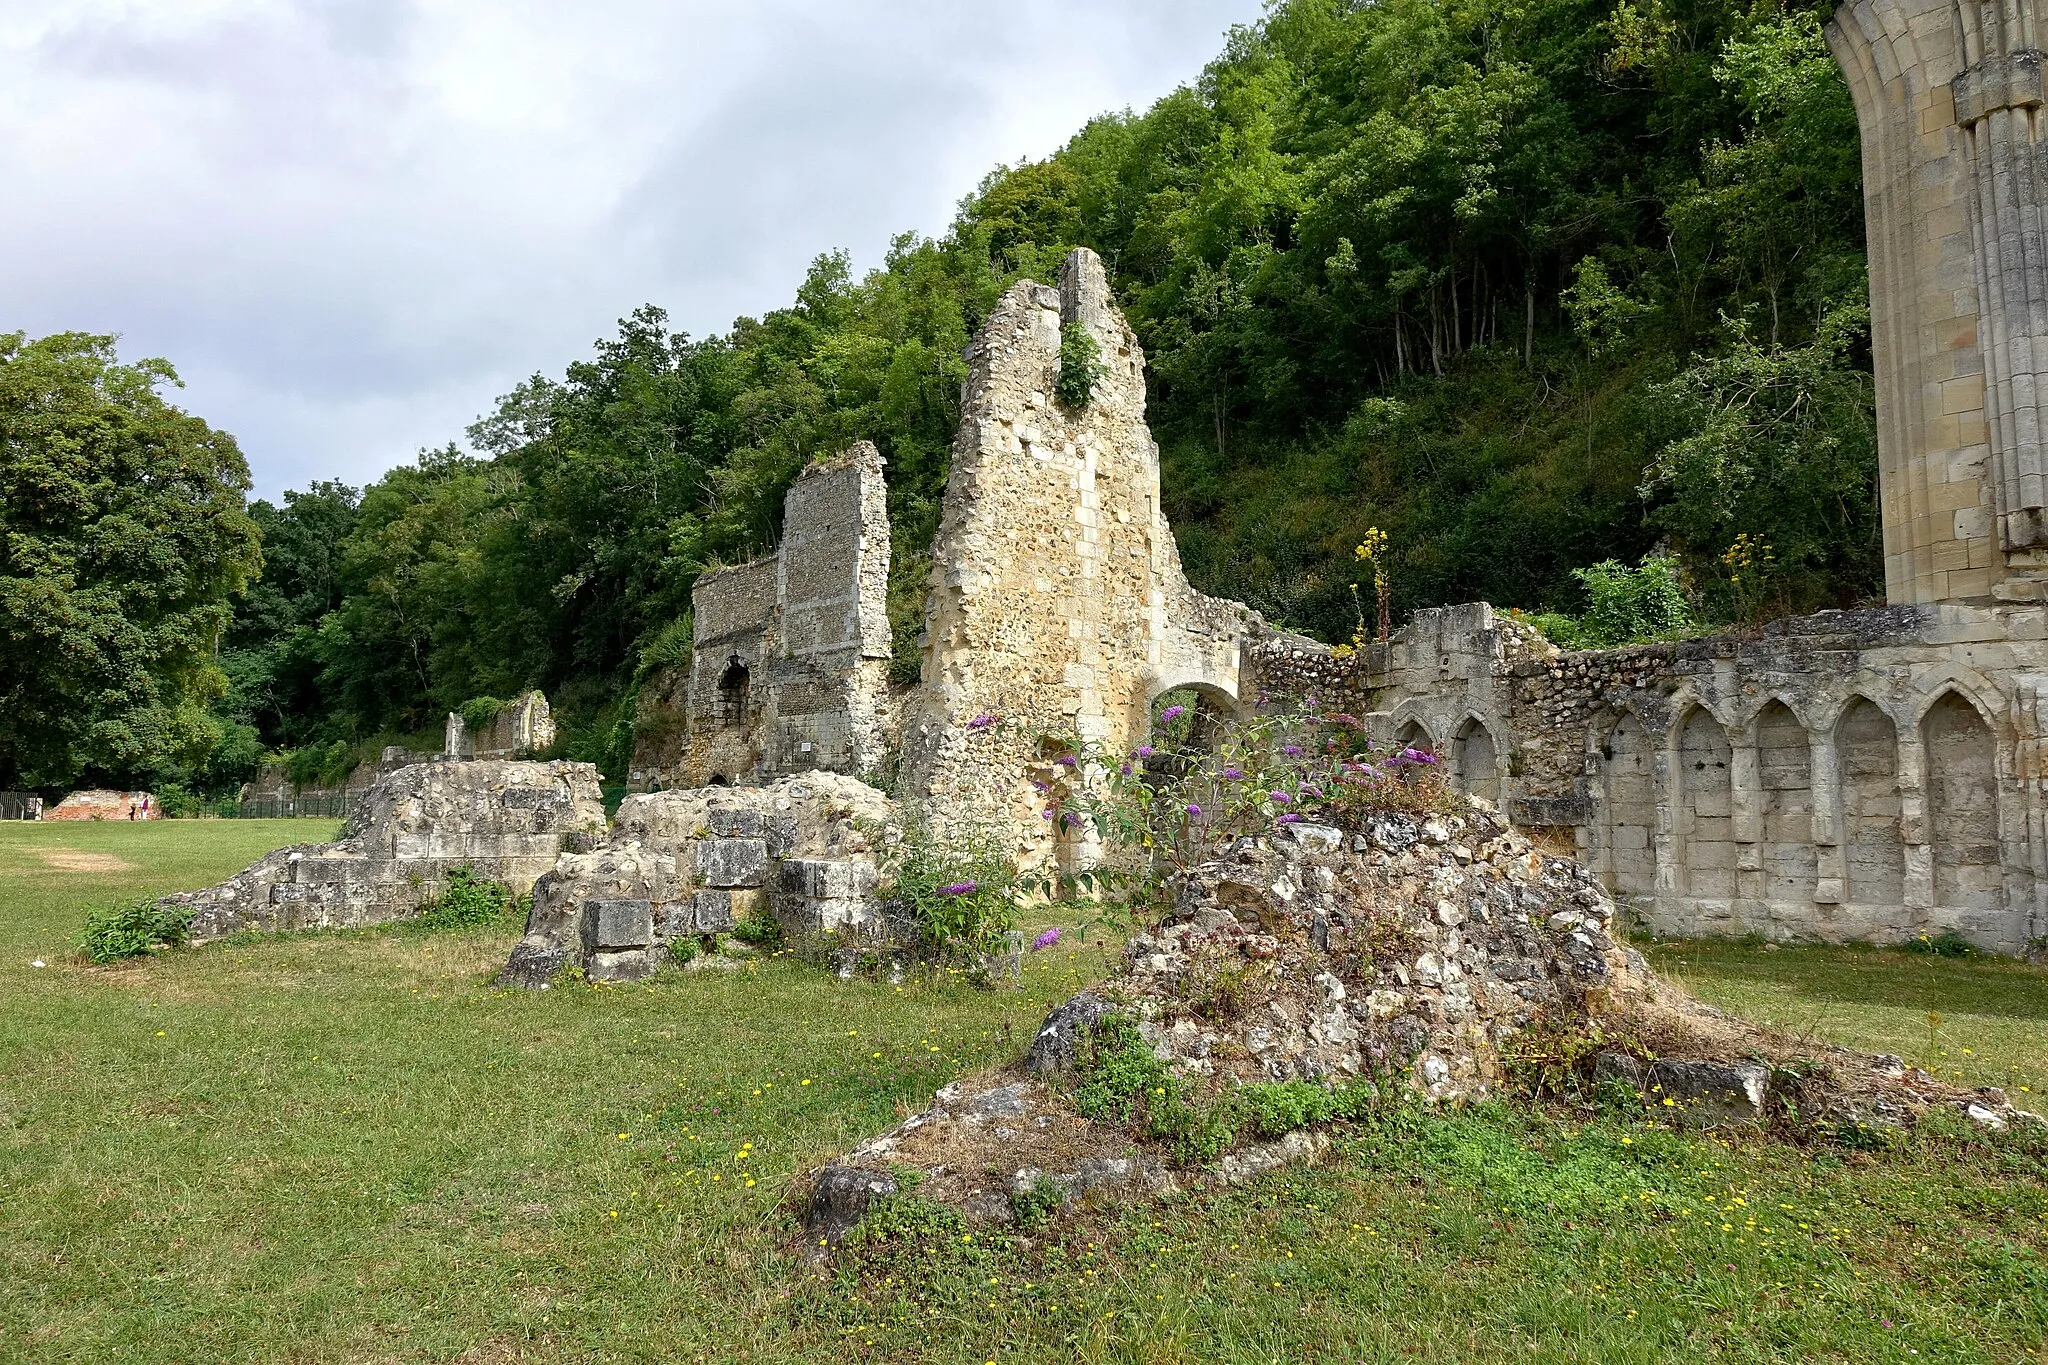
<point>1914,832</point>
<point>1948,95</point>
<point>1831,886</point>
<point>1745,793</point>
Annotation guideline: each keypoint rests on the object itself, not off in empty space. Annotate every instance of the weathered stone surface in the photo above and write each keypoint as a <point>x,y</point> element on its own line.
<point>728,863</point>
<point>1053,1048</point>
<point>504,821</point>
<point>613,925</point>
<point>839,1200</point>
<point>1710,1094</point>
<point>635,964</point>
<point>666,852</point>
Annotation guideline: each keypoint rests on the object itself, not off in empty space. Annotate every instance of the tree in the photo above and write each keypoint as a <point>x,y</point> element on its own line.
<point>123,539</point>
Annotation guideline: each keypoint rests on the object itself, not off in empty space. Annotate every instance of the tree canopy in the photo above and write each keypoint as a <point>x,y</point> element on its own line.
<point>123,541</point>
<point>1530,287</point>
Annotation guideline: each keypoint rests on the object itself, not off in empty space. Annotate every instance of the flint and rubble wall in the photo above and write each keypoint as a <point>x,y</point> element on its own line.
<point>1849,776</point>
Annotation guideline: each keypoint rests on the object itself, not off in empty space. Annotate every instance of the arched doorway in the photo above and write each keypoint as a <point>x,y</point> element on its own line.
<point>1629,761</point>
<point>1706,815</point>
<point>1785,772</point>
<point>734,688</point>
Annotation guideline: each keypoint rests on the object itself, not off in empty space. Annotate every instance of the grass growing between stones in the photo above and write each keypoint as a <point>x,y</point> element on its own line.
<point>348,1147</point>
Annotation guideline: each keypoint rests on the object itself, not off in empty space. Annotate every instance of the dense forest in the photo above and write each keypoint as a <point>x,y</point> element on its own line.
<point>1529,287</point>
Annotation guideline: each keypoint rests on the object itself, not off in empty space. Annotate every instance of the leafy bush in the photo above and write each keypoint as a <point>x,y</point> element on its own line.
<point>1121,1081</point>
<point>133,929</point>
<point>479,713</point>
<point>467,902</point>
<point>1627,606</point>
<point>1081,366</point>
<point>1036,1206</point>
<point>1191,789</point>
<point>1279,1107</point>
<point>760,930</point>
<point>961,888</point>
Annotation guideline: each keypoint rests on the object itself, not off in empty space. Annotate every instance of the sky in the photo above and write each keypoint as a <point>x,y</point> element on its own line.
<point>351,224</point>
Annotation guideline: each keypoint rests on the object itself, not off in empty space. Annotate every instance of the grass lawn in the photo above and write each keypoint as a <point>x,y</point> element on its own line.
<point>347,1147</point>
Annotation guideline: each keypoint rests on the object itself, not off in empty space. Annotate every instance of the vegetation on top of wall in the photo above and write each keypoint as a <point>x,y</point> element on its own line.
<point>1625,607</point>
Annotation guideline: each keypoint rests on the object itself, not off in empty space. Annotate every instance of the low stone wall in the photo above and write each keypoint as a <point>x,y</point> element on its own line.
<point>684,864</point>
<point>506,822</point>
<point>1849,776</point>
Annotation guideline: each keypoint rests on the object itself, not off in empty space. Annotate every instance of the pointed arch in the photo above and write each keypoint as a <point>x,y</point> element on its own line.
<point>1784,751</point>
<point>1706,807</point>
<point>1867,779</point>
<point>1475,760</point>
<point>1962,811</point>
<point>1628,769</point>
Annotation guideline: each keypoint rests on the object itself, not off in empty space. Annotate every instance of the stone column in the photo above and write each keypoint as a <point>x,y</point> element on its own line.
<point>1825,765</point>
<point>1745,796</point>
<point>1998,101</point>
<point>1914,831</point>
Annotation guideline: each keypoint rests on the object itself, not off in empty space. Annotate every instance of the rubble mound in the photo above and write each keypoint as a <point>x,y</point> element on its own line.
<point>681,865</point>
<point>505,822</point>
<point>1314,969</point>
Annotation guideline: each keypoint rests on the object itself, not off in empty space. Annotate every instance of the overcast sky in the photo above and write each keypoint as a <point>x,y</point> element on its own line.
<point>351,224</point>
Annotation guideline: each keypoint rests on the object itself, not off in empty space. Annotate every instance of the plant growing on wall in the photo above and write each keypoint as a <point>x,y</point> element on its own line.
<point>1081,366</point>
<point>1179,804</point>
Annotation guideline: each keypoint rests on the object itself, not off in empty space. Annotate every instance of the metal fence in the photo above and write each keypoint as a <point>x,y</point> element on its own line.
<point>294,808</point>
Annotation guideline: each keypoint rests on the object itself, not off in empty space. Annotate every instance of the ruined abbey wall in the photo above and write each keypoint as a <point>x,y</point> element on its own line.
<point>789,671</point>
<point>1871,775</point>
<point>1057,600</point>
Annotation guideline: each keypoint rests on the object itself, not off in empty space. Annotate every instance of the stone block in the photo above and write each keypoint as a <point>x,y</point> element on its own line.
<point>734,822</point>
<point>727,863</point>
<point>633,965</point>
<point>1710,1094</point>
<point>712,912</point>
<point>612,925</point>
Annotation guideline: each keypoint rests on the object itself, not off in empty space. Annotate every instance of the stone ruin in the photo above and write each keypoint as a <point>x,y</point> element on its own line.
<point>1438,960</point>
<point>523,728</point>
<point>683,865</point>
<point>790,666</point>
<point>505,822</point>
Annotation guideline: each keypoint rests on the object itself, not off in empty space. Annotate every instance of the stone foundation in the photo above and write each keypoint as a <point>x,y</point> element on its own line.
<point>685,864</point>
<point>506,822</point>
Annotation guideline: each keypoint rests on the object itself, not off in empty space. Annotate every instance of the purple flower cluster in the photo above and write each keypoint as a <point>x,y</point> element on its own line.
<point>982,722</point>
<point>1173,713</point>
<point>1045,940</point>
<point>960,889</point>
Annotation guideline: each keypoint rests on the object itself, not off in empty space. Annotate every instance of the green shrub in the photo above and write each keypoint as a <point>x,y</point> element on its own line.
<point>1119,1080</point>
<point>1626,606</point>
<point>1947,943</point>
<point>133,929</point>
<point>961,888</point>
<point>467,902</point>
<point>1081,366</point>
<point>479,713</point>
<point>1036,1206</point>
<point>759,930</point>
<point>1278,1107</point>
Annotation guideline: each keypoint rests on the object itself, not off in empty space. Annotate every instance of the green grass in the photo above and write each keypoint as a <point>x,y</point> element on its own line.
<point>1977,1021</point>
<point>347,1147</point>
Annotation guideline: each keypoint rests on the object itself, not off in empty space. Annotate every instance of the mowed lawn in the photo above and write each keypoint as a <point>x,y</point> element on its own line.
<point>348,1147</point>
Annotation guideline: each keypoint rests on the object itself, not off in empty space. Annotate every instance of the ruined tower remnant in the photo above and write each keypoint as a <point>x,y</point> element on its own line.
<point>1949,95</point>
<point>790,670</point>
<point>1057,600</point>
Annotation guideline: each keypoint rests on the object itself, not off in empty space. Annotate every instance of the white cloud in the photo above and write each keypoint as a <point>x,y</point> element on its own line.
<point>352,223</point>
